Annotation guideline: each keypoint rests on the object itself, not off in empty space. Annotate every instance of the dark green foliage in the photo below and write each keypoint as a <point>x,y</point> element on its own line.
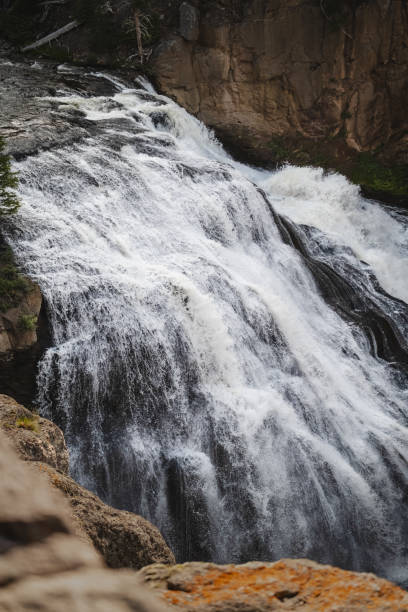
<point>84,10</point>
<point>142,5</point>
<point>56,53</point>
<point>17,23</point>
<point>103,30</point>
<point>279,150</point>
<point>26,7</point>
<point>13,286</point>
<point>377,178</point>
<point>8,181</point>
<point>27,322</point>
<point>369,173</point>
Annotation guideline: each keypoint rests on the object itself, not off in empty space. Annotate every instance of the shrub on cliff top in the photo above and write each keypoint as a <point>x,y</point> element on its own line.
<point>8,182</point>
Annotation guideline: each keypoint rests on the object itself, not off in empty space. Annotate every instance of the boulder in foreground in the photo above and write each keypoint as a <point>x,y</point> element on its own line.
<point>43,565</point>
<point>124,539</point>
<point>260,587</point>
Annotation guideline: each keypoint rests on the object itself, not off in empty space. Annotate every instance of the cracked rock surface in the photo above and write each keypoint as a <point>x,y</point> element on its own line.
<point>289,584</point>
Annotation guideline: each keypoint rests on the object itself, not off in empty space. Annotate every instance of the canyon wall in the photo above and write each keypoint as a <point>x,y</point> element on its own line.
<point>279,79</point>
<point>307,81</point>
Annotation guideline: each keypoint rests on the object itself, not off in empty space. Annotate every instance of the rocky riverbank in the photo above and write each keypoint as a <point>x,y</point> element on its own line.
<point>52,553</point>
<point>44,565</point>
<point>122,538</point>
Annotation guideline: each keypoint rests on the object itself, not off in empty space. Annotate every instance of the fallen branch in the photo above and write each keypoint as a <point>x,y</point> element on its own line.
<point>67,28</point>
<point>48,2</point>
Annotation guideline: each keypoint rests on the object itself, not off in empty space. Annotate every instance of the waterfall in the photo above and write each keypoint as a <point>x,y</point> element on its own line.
<point>229,352</point>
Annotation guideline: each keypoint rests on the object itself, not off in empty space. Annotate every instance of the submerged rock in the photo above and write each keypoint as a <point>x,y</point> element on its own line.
<point>124,539</point>
<point>259,587</point>
<point>43,565</point>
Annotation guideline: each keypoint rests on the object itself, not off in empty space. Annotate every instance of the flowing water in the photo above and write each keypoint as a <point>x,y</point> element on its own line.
<point>229,352</point>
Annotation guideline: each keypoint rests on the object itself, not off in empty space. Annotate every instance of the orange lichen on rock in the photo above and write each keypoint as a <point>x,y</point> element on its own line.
<point>286,585</point>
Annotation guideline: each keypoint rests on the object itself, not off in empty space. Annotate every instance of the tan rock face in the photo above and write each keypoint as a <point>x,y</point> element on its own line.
<point>34,438</point>
<point>43,565</point>
<point>124,539</point>
<point>18,325</point>
<point>33,519</point>
<point>260,587</point>
<point>282,68</point>
<point>89,590</point>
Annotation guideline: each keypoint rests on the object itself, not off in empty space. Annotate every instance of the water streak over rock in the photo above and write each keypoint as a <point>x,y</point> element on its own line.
<point>236,378</point>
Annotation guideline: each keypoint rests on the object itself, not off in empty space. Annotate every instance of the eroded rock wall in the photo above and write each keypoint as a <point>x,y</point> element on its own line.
<point>276,68</point>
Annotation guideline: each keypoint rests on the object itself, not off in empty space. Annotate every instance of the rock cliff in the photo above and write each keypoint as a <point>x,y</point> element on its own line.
<point>307,81</point>
<point>44,566</point>
<point>123,539</point>
<point>290,80</point>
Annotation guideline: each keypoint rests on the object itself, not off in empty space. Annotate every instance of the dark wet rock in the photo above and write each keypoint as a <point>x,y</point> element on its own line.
<point>189,22</point>
<point>160,119</point>
<point>31,118</point>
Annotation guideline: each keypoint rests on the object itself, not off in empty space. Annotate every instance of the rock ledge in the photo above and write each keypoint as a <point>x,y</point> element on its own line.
<point>288,584</point>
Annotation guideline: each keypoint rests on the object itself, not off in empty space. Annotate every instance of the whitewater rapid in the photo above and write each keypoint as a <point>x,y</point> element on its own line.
<point>210,368</point>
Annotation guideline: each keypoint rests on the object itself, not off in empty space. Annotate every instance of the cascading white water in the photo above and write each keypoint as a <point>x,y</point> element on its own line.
<point>199,375</point>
